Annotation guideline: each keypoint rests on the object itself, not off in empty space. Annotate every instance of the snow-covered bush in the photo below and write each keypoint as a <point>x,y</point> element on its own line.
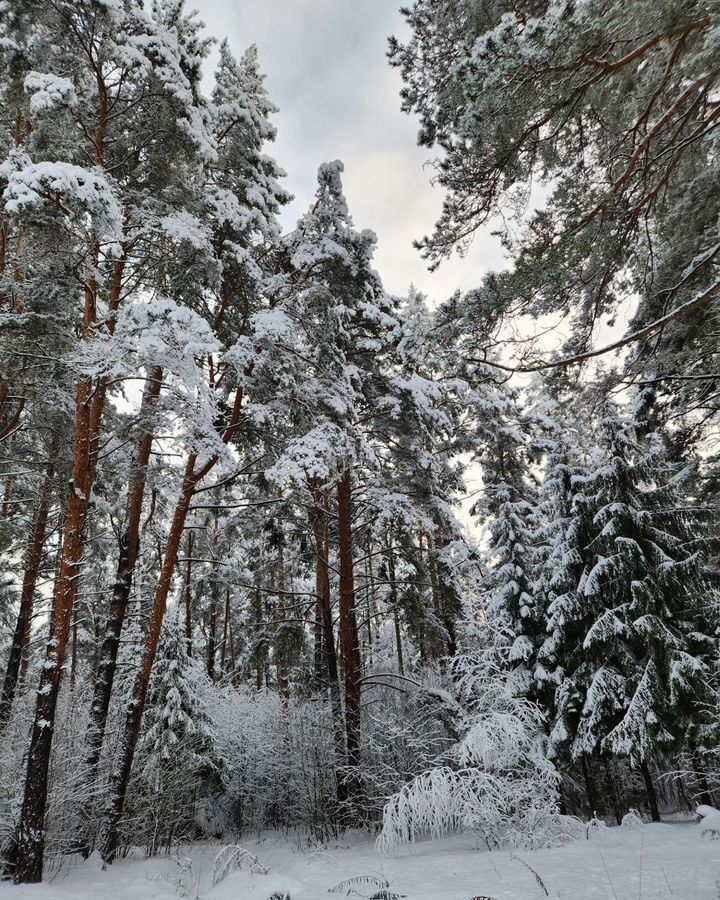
<point>496,781</point>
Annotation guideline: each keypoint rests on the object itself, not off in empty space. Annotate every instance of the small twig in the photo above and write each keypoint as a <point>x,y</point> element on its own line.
<point>539,880</point>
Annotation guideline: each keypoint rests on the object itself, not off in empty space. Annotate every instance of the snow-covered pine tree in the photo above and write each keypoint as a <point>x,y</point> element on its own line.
<point>91,187</point>
<point>627,145</point>
<point>417,424</point>
<point>225,231</point>
<point>176,752</point>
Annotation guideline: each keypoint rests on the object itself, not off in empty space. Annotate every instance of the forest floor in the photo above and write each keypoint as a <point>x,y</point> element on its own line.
<point>659,862</point>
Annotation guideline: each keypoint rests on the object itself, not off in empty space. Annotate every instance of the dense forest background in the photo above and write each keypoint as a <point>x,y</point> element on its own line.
<point>240,585</point>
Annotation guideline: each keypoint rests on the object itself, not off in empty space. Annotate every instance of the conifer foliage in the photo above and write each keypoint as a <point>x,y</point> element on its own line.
<point>246,580</point>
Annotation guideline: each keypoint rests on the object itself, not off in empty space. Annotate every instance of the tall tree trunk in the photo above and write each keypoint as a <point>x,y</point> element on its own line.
<point>612,790</point>
<point>369,601</point>
<point>589,787</point>
<point>33,563</point>
<point>127,560</point>
<point>318,657</point>
<point>212,633</point>
<point>133,719</point>
<point>188,594</point>
<point>214,586</point>
<point>349,638</point>
<point>30,836</point>
<point>650,790</point>
<point>281,668</point>
<point>25,857</point>
<point>233,660</point>
<point>74,649</point>
<point>320,521</point>
<point>226,626</point>
<point>259,664</point>
<point>319,667</point>
<point>440,589</point>
<point>394,604</point>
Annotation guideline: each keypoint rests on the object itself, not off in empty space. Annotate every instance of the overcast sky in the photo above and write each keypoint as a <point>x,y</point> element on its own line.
<point>327,72</point>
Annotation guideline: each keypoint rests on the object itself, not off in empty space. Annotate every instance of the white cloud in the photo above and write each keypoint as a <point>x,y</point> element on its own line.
<point>327,71</point>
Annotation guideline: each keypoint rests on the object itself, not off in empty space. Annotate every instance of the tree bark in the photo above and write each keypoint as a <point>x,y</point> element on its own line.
<point>321,533</point>
<point>30,835</point>
<point>650,790</point>
<point>394,604</point>
<point>214,586</point>
<point>259,663</point>
<point>440,589</point>
<point>33,563</point>
<point>349,638</point>
<point>589,788</point>
<point>212,634</point>
<point>226,626</point>
<point>188,594</point>
<point>280,664</point>
<point>612,789</point>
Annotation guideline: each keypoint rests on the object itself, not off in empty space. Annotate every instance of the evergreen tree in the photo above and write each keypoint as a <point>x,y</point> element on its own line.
<point>180,765</point>
<point>633,634</point>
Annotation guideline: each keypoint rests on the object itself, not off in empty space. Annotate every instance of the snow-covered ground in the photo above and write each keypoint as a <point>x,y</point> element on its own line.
<point>655,863</point>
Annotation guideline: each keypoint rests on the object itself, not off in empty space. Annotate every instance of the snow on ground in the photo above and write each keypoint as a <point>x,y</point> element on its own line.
<point>659,862</point>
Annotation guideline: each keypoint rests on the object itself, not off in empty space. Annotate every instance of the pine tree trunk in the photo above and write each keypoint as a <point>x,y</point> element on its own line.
<point>30,835</point>
<point>369,602</point>
<point>650,790</point>
<point>226,625</point>
<point>233,660</point>
<point>188,595</point>
<point>133,719</point>
<point>74,649</point>
<point>127,559</point>
<point>394,604</point>
<point>212,634</point>
<point>612,789</point>
<point>425,654</point>
<point>259,666</point>
<point>26,860</point>
<point>214,585</point>
<point>281,669</point>
<point>349,639</point>
<point>33,563</point>
<point>441,591</point>
<point>589,788</point>
<point>318,658</point>
<point>319,663</point>
<point>321,533</point>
